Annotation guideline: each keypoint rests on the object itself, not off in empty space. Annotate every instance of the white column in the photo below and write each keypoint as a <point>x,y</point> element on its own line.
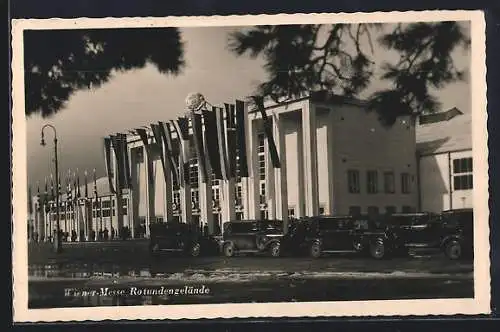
<point>330,142</point>
<point>167,206</point>
<point>252,204</point>
<point>301,204</point>
<point>281,190</point>
<point>228,210</point>
<point>310,159</point>
<point>206,211</point>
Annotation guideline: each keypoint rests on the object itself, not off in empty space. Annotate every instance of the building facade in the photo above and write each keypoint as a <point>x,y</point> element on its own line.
<point>87,218</point>
<point>335,158</point>
<point>444,147</point>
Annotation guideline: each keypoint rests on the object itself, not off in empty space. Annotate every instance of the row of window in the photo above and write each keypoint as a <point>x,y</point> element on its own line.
<point>372,182</point>
<point>356,210</point>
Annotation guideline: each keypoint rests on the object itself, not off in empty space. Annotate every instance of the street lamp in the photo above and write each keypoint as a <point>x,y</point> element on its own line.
<point>57,239</point>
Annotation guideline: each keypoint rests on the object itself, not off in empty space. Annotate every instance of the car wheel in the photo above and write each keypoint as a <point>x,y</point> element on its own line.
<point>377,249</point>
<point>195,250</point>
<point>453,250</point>
<point>275,249</point>
<point>315,250</point>
<point>228,250</point>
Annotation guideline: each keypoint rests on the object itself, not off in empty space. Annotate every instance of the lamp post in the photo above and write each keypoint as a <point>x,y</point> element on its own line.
<point>57,239</point>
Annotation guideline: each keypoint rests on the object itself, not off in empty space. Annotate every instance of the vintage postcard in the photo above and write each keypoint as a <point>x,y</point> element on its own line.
<point>250,166</point>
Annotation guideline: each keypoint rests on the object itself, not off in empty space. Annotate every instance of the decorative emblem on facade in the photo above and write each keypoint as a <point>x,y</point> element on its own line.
<point>195,101</point>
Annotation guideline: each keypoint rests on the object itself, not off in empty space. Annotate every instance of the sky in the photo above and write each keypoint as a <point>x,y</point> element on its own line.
<point>139,97</point>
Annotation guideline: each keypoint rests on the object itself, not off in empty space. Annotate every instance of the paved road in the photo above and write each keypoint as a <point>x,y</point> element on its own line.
<point>119,267</point>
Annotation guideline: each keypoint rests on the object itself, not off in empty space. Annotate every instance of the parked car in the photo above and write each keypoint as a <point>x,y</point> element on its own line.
<point>458,239</point>
<point>252,236</point>
<point>449,232</point>
<point>181,238</point>
<point>337,234</point>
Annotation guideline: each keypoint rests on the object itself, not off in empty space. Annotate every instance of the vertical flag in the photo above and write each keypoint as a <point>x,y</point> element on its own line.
<point>156,128</point>
<point>182,128</point>
<point>68,187</point>
<point>241,138</point>
<point>125,160</point>
<point>38,196</point>
<point>231,139</point>
<point>198,144</point>
<point>46,188</point>
<point>86,185</point>
<point>30,202</point>
<point>78,193</point>
<point>268,131</point>
<point>144,138</point>
<point>95,185</point>
<point>221,136</point>
<point>169,150</point>
<point>119,169</point>
<point>107,157</point>
<point>52,193</point>
<point>211,136</point>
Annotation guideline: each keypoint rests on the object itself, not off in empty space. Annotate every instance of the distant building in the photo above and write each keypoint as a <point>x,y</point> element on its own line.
<point>444,150</point>
<point>87,217</point>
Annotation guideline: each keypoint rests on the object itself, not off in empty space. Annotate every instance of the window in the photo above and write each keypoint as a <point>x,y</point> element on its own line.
<point>462,182</point>
<point>354,210</point>
<point>106,213</point>
<point>215,182</point>
<point>262,167</point>
<point>238,166</point>
<point>238,196</point>
<point>389,187</point>
<point>390,209</point>
<point>353,181</point>
<point>291,212</point>
<point>321,211</point>
<point>261,155</point>
<point>405,183</point>
<point>463,165</point>
<point>260,140</point>
<point>373,210</point>
<point>263,214</point>
<point>177,198</point>
<point>195,197</point>
<point>193,173</point>
<point>216,194</point>
<point>262,193</point>
<point>372,182</point>
<point>239,215</point>
<point>462,174</point>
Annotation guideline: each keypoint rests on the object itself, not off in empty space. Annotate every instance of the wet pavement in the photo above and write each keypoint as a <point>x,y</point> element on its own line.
<point>118,274</point>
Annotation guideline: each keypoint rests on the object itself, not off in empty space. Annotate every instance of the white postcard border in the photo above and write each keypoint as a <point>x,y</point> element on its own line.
<point>479,305</point>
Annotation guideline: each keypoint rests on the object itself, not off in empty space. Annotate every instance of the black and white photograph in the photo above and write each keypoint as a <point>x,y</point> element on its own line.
<point>250,166</point>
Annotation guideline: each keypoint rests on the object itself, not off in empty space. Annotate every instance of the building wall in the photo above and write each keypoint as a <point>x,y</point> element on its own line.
<point>361,143</point>
<point>437,182</point>
<point>293,161</point>
<point>322,123</point>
